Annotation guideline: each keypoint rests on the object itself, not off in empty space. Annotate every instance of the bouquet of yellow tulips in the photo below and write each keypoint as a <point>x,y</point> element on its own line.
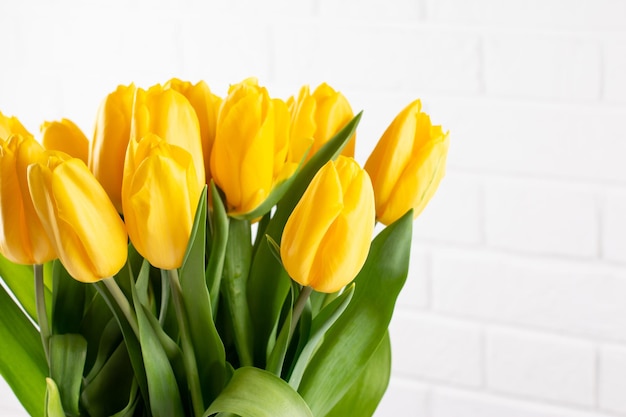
<point>207,256</point>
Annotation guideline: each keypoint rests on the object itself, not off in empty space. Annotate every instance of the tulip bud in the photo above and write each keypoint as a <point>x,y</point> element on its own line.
<point>66,137</point>
<point>11,126</point>
<point>319,116</point>
<point>407,164</point>
<point>207,107</point>
<point>22,236</point>
<point>169,115</point>
<point>327,237</point>
<point>160,194</point>
<point>110,140</point>
<point>251,144</point>
<point>80,220</point>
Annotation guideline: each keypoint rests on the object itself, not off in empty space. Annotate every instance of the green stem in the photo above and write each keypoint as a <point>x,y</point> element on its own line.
<point>42,315</point>
<point>122,303</point>
<point>189,357</point>
<point>234,287</point>
<point>165,300</point>
<point>304,295</point>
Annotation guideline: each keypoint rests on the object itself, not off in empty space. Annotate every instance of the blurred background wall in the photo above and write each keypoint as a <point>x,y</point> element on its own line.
<point>516,302</point>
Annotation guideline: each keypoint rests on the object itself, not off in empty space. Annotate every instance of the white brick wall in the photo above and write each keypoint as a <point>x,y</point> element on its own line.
<point>516,301</point>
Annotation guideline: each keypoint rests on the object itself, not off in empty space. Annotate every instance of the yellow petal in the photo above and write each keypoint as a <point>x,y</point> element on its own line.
<point>207,105</point>
<point>345,246</point>
<point>110,140</point>
<point>98,244</point>
<point>309,222</point>
<point>169,115</point>
<point>22,237</point>
<point>332,113</point>
<point>65,136</point>
<point>393,152</point>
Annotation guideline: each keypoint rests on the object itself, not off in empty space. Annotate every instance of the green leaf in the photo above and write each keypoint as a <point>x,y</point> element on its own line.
<point>111,337</point>
<point>234,287</point>
<point>54,408</point>
<point>276,357</point>
<point>365,394</point>
<point>68,302</point>
<point>113,387</point>
<point>215,266</point>
<point>98,321</point>
<point>67,362</point>
<point>129,410</point>
<point>354,337</point>
<point>131,340</point>
<point>19,279</point>
<point>165,398</point>
<point>253,392</point>
<point>208,347</point>
<point>22,361</point>
<point>322,322</point>
<point>268,283</point>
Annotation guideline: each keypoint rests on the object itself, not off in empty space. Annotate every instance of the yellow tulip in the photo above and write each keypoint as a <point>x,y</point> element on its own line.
<point>11,126</point>
<point>327,237</point>
<point>207,107</point>
<point>251,144</point>
<point>22,236</point>
<point>169,115</point>
<point>110,140</point>
<point>84,227</point>
<point>160,194</point>
<point>65,136</point>
<point>319,116</point>
<point>407,164</point>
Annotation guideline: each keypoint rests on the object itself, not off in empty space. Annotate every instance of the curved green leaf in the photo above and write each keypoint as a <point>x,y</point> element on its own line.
<point>19,279</point>
<point>165,400</point>
<point>22,361</point>
<point>207,345</point>
<point>354,337</point>
<point>215,266</point>
<point>68,302</point>
<point>253,392</point>
<point>321,323</point>
<point>113,387</point>
<point>234,288</point>
<point>268,283</point>
<point>276,357</point>
<point>365,394</point>
<point>131,340</point>
<point>67,362</point>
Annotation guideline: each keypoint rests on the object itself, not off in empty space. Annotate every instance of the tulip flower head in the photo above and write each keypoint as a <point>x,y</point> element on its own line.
<point>318,116</point>
<point>110,140</point>
<point>160,194</point>
<point>80,220</point>
<point>249,156</point>
<point>23,239</point>
<point>207,107</point>
<point>66,137</point>
<point>407,164</point>
<point>327,237</point>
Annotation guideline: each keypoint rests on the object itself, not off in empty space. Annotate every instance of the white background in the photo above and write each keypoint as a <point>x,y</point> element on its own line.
<point>516,302</point>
